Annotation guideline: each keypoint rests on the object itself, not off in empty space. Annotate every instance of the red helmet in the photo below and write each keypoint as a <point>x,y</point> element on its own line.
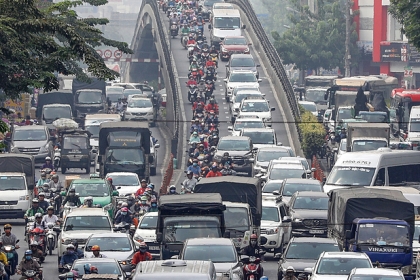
<point>253,236</point>
<point>109,179</point>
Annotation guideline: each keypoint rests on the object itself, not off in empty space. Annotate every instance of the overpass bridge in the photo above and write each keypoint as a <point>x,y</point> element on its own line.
<point>151,40</point>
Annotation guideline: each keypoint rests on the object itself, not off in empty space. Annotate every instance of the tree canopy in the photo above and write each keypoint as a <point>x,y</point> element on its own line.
<point>407,12</point>
<point>36,41</point>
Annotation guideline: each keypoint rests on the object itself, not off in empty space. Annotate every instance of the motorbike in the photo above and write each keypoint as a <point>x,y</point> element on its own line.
<point>30,274</point>
<point>174,30</point>
<point>66,268</point>
<point>57,159</point>
<point>209,90</point>
<point>38,235</point>
<point>29,221</point>
<point>214,58</point>
<point>51,233</point>
<point>122,227</point>
<point>192,93</point>
<point>251,268</point>
<point>9,250</point>
<point>184,41</point>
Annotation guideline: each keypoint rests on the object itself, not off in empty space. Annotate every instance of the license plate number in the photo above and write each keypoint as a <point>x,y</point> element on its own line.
<point>5,207</point>
<point>154,248</point>
<point>74,158</point>
<point>314,231</point>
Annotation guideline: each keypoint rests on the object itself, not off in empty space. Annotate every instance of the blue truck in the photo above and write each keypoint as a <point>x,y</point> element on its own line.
<point>377,222</point>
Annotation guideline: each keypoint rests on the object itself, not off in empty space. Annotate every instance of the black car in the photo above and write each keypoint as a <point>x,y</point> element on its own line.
<point>303,252</point>
<point>308,212</point>
<point>291,185</point>
<point>207,8</point>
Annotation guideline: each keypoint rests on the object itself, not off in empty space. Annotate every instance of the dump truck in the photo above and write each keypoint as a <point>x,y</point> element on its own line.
<point>367,136</point>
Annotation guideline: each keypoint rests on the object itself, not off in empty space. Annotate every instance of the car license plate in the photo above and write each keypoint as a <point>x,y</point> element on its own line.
<point>154,248</point>
<point>316,231</point>
<point>74,158</point>
<point>5,207</point>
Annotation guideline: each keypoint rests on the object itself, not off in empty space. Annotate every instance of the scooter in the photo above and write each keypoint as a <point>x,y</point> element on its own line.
<point>252,267</point>
<point>9,250</point>
<point>184,41</point>
<point>57,158</point>
<point>192,93</point>
<point>30,274</point>
<point>51,233</point>
<point>122,227</point>
<point>174,30</point>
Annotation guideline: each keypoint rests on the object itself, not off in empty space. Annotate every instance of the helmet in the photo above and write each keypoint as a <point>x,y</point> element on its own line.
<point>55,176</point>
<point>120,202</point>
<point>152,186</point>
<point>72,190</point>
<point>46,185</point>
<point>47,158</point>
<point>253,236</point>
<point>70,246</point>
<point>35,200</point>
<point>34,243</point>
<point>124,209</point>
<point>290,268</point>
<point>143,197</point>
<point>28,252</point>
<point>173,187</point>
<point>125,204</point>
<point>226,154</point>
<point>50,208</point>
<point>189,172</point>
<point>88,198</point>
<point>7,226</point>
<point>96,248</point>
<point>43,174</point>
<point>41,194</point>
<point>109,179</point>
<point>93,269</point>
<point>38,215</point>
<point>143,181</point>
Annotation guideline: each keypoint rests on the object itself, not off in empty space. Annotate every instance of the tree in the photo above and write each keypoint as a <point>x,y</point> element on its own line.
<point>407,13</point>
<point>35,42</point>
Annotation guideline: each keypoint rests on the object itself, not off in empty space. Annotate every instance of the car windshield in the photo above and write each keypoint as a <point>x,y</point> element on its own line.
<point>315,95</point>
<point>376,277</point>
<point>242,62</point>
<point>103,267</point>
<point>180,231</point>
<point>110,244</point>
<point>140,103</point>
<point>241,96</point>
<point>242,78</point>
<point>235,41</point>
<point>266,156</point>
<point>341,266</point>
<point>89,97</point>
<point>361,145</point>
<point>92,189</point>
<point>290,188</point>
<point>12,183</point>
<point>233,145</point>
<point>125,180</point>
<point>344,113</point>
<point>29,135</point>
<point>374,118</point>
<point>255,107</point>
<point>236,218</point>
<point>311,203</point>
<point>260,137</point>
<point>270,187</point>
<point>87,223</point>
<point>113,97</point>
<point>270,214</point>
<point>309,251</point>
<point>75,143</point>
<point>414,125</point>
<point>94,130</point>
<point>125,156</point>
<point>417,226</point>
<point>227,22</point>
<point>148,222</point>
<point>308,107</point>
<point>248,124</point>
<point>383,234</point>
<point>214,253</point>
<point>284,173</point>
<point>54,113</point>
<point>350,176</point>
<point>129,92</point>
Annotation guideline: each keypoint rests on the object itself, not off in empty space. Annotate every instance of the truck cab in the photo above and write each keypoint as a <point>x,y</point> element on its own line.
<point>52,112</point>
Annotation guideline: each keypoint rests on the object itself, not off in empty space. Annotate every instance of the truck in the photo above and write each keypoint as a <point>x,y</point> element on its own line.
<point>377,222</point>
<point>245,193</point>
<point>89,98</point>
<point>367,136</point>
<point>17,181</point>
<point>192,216</point>
<point>124,147</point>
<point>54,105</point>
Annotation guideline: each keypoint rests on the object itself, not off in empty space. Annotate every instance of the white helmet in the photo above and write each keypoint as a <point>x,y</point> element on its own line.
<point>34,243</point>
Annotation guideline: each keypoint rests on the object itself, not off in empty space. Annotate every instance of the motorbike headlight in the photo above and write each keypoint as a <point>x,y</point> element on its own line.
<point>24,197</point>
<point>138,238</point>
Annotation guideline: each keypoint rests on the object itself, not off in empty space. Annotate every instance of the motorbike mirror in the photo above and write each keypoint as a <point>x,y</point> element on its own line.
<point>243,26</point>
<point>63,193</point>
<point>115,193</point>
<point>57,230</point>
<point>210,27</point>
<point>17,241</point>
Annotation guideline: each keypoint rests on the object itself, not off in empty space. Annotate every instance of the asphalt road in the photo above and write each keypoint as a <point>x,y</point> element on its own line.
<point>50,265</point>
<point>182,65</point>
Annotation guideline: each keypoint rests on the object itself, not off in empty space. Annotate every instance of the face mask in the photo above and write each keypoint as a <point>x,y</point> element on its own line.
<point>143,250</point>
<point>28,258</point>
<point>195,164</point>
<point>172,191</point>
<point>154,205</point>
<point>123,213</point>
<point>69,252</point>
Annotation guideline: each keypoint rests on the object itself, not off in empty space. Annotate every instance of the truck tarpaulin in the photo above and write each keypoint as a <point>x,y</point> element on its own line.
<point>345,205</point>
<point>19,163</point>
<point>54,97</point>
<point>94,84</point>
<point>235,189</point>
<point>191,202</point>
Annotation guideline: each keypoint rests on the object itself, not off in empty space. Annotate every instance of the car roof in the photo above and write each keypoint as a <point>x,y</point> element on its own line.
<point>255,91</point>
<point>241,72</point>
<point>95,260</point>
<point>209,241</point>
<point>375,271</point>
<point>240,55</point>
<point>274,148</point>
<point>306,102</point>
<point>270,203</point>
<point>151,214</point>
<point>249,119</point>
<point>354,255</point>
<point>87,212</point>
<point>255,100</point>
<point>120,174</point>
<point>313,240</point>
<point>228,37</point>
<point>234,138</point>
<point>30,127</point>
<point>311,194</point>
<point>258,130</point>
<point>287,166</point>
<point>302,181</point>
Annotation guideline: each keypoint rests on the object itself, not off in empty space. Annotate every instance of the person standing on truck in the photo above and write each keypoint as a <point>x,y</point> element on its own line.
<point>141,255</point>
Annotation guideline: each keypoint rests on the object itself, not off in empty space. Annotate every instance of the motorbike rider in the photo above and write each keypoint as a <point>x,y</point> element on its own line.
<point>153,206</point>
<point>195,126</point>
<point>123,205</point>
<point>214,172</point>
<point>191,81</point>
<point>69,256</point>
<point>212,106</point>
<point>34,209</point>
<point>9,239</point>
<point>36,253</point>
<point>191,40</point>
<point>120,105</point>
<point>96,251</point>
<point>228,171</point>
<point>124,217</point>
<point>80,254</point>
<point>200,37</point>
<point>28,263</point>
<point>172,190</point>
<point>193,65</point>
<point>210,63</point>
<point>198,106</point>
<point>253,250</point>
<point>143,206</point>
<point>194,138</point>
<point>56,186</point>
<point>4,265</point>
<point>142,189</point>
<point>72,198</point>
<point>290,274</point>
<point>38,222</point>
<point>87,202</point>
<point>226,160</point>
<point>42,180</point>
<point>190,182</point>
<point>202,85</point>
<point>141,255</point>
<point>48,164</point>
<point>194,168</point>
<point>50,217</point>
<point>153,192</point>
<point>42,202</point>
<point>184,31</point>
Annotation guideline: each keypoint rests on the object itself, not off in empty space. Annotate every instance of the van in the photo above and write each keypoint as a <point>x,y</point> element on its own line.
<point>225,22</point>
<point>413,134</point>
<point>383,167</point>
<point>175,270</point>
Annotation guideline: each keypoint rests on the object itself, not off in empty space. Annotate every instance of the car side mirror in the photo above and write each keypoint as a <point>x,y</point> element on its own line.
<point>287,219</point>
<point>251,160</point>
<point>115,193</point>
<point>276,192</point>
<point>259,80</point>
<point>225,80</point>
<point>308,171</point>
<point>157,146</point>
<point>159,237</point>
<point>99,158</point>
<point>308,270</point>
<point>313,169</point>
<point>249,44</point>
<point>230,128</point>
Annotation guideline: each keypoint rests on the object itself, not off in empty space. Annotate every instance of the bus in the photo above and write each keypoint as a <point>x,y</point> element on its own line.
<point>401,103</point>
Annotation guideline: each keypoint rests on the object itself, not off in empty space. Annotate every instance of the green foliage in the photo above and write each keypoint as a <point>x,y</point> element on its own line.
<point>37,40</point>
<point>313,133</point>
<point>407,12</point>
<point>316,40</point>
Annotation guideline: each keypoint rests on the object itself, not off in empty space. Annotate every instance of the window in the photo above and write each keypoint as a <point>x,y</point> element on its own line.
<point>341,266</point>
<point>311,251</point>
<point>270,214</point>
<point>125,156</point>
<point>75,143</point>
<point>29,135</point>
<point>400,175</point>
<point>308,107</point>
<point>242,62</point>
<point>350,176</point>
<point>266,156</point>
<point>113,97</point>
<point>414,125</point>
<point>103,267</point>
<point>215,253</point>
<point>380,178</point>
<point>233,145</point>
<point>95,190</point>
<point>87,223</point>
<point>236,218</point>
<point>110,243</point>
<point>284,173</point>
<point>125,180</point>
<point>235,41</point>
<point>290,188</point>
<point>315,95</point>
<point>179,231</point>
<point>11,183</point>
<point>89,97</point>
<point>148,222</point>
<point>312,203</point>
<point>269,187</point>
<point>255,107</point>
<point>248,124</point>
<point>243,78</point>
<point>260,137</point>
<point>140,103</point>
<point>227,22</point>
<point>54,113</point>
<point>94,130</point>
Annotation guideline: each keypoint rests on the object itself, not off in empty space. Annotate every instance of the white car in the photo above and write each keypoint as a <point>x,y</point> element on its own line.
<point>254,106</point>
<point>240,88</point>
<point>376,273</point>
<point>146,232</point>
<point>139,109</point>
<point>238,78</point>
<point>301,160</point>
<point>241,95</point>
<point>265,155</point>
<point>245,122</point>
<point>261,137</point>
<point>281,171</point>
<point>338,265</point>
<point>310,107</point>
<point>126,183</point>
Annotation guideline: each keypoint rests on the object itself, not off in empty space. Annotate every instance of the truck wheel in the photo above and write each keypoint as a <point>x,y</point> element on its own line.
<point>152,171</point>
<point>63,170</point>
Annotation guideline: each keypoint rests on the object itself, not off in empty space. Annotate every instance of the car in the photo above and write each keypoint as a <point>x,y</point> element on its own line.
<point>233,44</point>
<point>241,151</point>
<point>239,77</point>
<point>114,245</point>
<point>278,171</point>
<point>126,183</point>
<point>34,140</point>
<point>310,107</point>
<point>308,212</point>
<point>104,266</point>
<point>255,106</point>
<point>242,62</point>
<point>139,109</point>
<point>146,232</point>
<point>342,149</point>
<point>110,89</point>
<point>338,265</point>
<point>261,137</point>
<point>131,91</point>
<point>79,224</point>
<point>99,189</point>
<point>245,122</point>
<point>303,252</point>
<point>266,154</point>
<point>270,189</point>
<point>239,88</point>
<point>207,8</point>
<point>375,274</point>
<point>317,95</point>
<point>274,226</point>
<point>302,160</point>
<point>145,88</point>
<point>291,185</point>
<point>241,95</point>
<point>175,269</point>
<point>221,251</point>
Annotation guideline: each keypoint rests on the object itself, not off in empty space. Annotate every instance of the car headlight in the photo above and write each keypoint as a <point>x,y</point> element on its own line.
<point>125,262</point>
<point>65,241</point>
<point>138,238</point>
<point>297,220</point>
<point>272,231</point>
<point>246,50</point>
<point>268,119</point>
<point>44,148</point>
<point>24,197</point>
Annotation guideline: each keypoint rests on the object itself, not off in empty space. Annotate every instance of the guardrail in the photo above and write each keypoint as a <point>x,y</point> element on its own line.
<point>167,177</point>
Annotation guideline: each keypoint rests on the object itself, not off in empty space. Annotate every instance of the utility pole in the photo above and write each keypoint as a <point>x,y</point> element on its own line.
<point>347,57</point>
